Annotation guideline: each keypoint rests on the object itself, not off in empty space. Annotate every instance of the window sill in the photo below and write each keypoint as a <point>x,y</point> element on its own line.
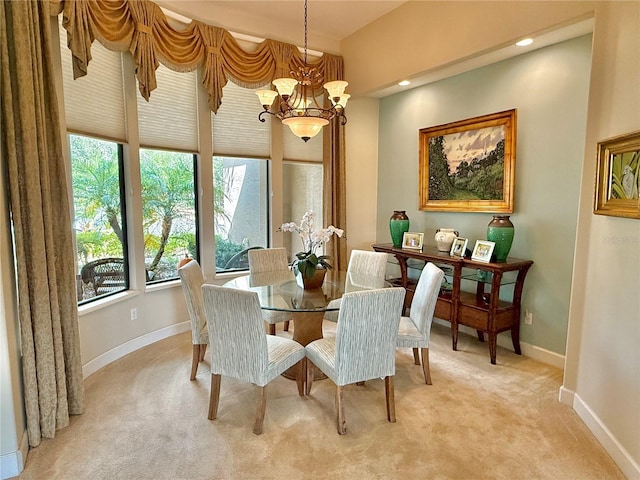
<point>106,302</point>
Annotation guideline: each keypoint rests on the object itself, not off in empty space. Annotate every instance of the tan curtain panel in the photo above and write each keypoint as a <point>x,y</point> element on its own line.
<point>38,199</point>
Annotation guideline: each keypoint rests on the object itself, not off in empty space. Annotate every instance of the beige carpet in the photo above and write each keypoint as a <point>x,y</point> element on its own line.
<point>146,420</point>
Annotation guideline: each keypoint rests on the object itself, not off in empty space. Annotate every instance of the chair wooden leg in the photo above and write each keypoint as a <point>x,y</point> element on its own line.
<point>286,325</point>
<point>425,365</point>
<point>391,400</point>
<point>203,349</point>
<point>301,376</point>
<point>194,361</point>
<point>214,397</point>
<point>416,357</point>
<point>262,406</point>
<point>342,426</point>
<point>272,329</point>
<point>309,379</point>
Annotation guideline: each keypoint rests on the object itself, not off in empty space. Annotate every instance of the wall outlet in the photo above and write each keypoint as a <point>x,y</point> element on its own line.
<point>528,317</point>
<point>134,314</point>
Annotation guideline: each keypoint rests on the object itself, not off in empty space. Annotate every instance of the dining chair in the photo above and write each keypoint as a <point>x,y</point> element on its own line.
<point>363,348</point>
<point>266,260</point>
<point>415,330</point>
<point>240,348</point>
<point>366,270</point>
<point>191,280</point>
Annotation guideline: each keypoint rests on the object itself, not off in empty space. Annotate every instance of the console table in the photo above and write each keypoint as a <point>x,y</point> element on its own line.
<point>484,311</point>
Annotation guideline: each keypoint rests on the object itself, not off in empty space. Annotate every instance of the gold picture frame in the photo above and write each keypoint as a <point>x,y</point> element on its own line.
<point>618,176</point>
<point>469,165</point>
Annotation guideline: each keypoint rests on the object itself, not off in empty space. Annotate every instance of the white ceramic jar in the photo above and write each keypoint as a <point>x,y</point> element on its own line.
<point>445,238</point>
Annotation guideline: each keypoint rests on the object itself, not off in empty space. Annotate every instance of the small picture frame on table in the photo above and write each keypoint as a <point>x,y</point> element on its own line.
<point>458,247</point>
<point>482,251</point>
<point>412,240</point>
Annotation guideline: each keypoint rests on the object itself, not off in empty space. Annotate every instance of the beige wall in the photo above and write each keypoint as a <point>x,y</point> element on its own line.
<point>603,346</point>
<point>422,36</point>
<point>602,370</point>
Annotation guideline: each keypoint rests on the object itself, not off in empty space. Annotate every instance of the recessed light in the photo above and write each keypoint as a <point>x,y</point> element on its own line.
<point>404,83</point>
<point>524,42</point>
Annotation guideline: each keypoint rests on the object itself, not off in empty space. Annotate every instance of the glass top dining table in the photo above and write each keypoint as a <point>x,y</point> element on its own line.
<point>279,291</point>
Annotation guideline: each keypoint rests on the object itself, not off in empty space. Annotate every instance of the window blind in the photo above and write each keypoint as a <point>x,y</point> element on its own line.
<point>94,104</point>
<point>236,129</point>
<point>170,118</point>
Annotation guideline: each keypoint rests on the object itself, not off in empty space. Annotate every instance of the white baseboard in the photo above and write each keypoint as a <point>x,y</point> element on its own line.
<point>566,396</point>
<point>126,348</point>
<point>11,464</point>
<point>630,468</point>
<point>504,340</point>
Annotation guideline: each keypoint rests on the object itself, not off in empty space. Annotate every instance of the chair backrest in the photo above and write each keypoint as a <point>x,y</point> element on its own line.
<point>236,333</point>
<point>425,297</point>
<point>192,280</point>
<point>366,270</point>
<point>268,260</point>
<point>366,334</point>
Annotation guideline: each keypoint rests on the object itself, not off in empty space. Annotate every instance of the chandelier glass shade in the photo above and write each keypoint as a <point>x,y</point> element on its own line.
<point>297,100</point>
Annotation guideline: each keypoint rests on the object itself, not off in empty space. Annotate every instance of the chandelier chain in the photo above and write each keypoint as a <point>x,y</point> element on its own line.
<point>305,32</point>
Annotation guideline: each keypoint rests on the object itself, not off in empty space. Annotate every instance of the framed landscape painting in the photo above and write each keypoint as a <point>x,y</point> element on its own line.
<point>469,165</point>
<point>618,177</point>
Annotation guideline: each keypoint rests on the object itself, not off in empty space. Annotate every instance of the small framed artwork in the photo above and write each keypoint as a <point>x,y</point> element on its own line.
<point>482,251</point>
<point>458,247</point>
<point>618,176</point>
<point>412,240</point>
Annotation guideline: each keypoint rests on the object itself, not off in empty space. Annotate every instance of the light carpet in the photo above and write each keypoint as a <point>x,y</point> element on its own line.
<point>145,420</point>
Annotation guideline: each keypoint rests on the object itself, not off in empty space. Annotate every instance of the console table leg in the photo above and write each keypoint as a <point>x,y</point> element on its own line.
<point>515,339</point>
<point>480,335</point>
<point>493,341</point>
<point>454,335</point>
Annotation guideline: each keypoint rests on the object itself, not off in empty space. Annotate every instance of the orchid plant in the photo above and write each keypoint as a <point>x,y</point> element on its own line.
<point>307,261</point>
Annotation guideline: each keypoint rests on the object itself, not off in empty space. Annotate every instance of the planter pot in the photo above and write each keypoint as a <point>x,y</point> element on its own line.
<point>444,238</point>
<point>398,225</point>
<point>309,283</point>
<point>500,230</point>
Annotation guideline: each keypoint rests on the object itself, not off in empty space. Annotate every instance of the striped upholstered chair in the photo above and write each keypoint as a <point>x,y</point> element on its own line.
<point>415,330</point>
<point>267,260</point>
<point>365,271</point>
<point>364,346</point>
<point>240,348</point>
<point>191,279</point>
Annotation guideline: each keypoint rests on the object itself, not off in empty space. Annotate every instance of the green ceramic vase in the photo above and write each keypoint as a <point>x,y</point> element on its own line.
<point>398,225</point>
<point>501,231</point>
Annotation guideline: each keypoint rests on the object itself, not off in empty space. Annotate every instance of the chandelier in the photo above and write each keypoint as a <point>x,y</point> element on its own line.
<point>297,104</point>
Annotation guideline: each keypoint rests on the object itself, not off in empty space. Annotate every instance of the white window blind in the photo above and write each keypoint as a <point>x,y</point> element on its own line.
<point>94,104</point>
<point>296,149</point>
<point>170,118</point>
<point>236,129</point>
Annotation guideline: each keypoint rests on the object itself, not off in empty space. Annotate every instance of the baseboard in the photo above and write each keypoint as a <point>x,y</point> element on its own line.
<point>126,348</point>
<point>630,468</point>
<point>504,340</point>
<point>11,464</point>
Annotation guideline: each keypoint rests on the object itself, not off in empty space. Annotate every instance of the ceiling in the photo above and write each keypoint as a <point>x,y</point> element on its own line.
<point>328,21</point>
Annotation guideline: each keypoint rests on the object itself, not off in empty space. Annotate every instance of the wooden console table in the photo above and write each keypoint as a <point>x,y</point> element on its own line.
<point>481,310</point>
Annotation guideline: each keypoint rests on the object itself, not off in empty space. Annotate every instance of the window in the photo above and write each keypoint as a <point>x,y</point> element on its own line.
<point>100,231</point>
<point>240,210</point>
<point>168,211</point>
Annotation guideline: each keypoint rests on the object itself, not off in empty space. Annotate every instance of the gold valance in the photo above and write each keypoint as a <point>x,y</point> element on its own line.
<point>140,27</point>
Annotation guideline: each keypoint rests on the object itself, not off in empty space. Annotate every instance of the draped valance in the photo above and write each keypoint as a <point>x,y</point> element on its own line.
<point>141,27</point>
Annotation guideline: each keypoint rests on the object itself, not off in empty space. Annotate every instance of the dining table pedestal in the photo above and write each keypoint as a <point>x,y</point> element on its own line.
<point>307,327</point>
